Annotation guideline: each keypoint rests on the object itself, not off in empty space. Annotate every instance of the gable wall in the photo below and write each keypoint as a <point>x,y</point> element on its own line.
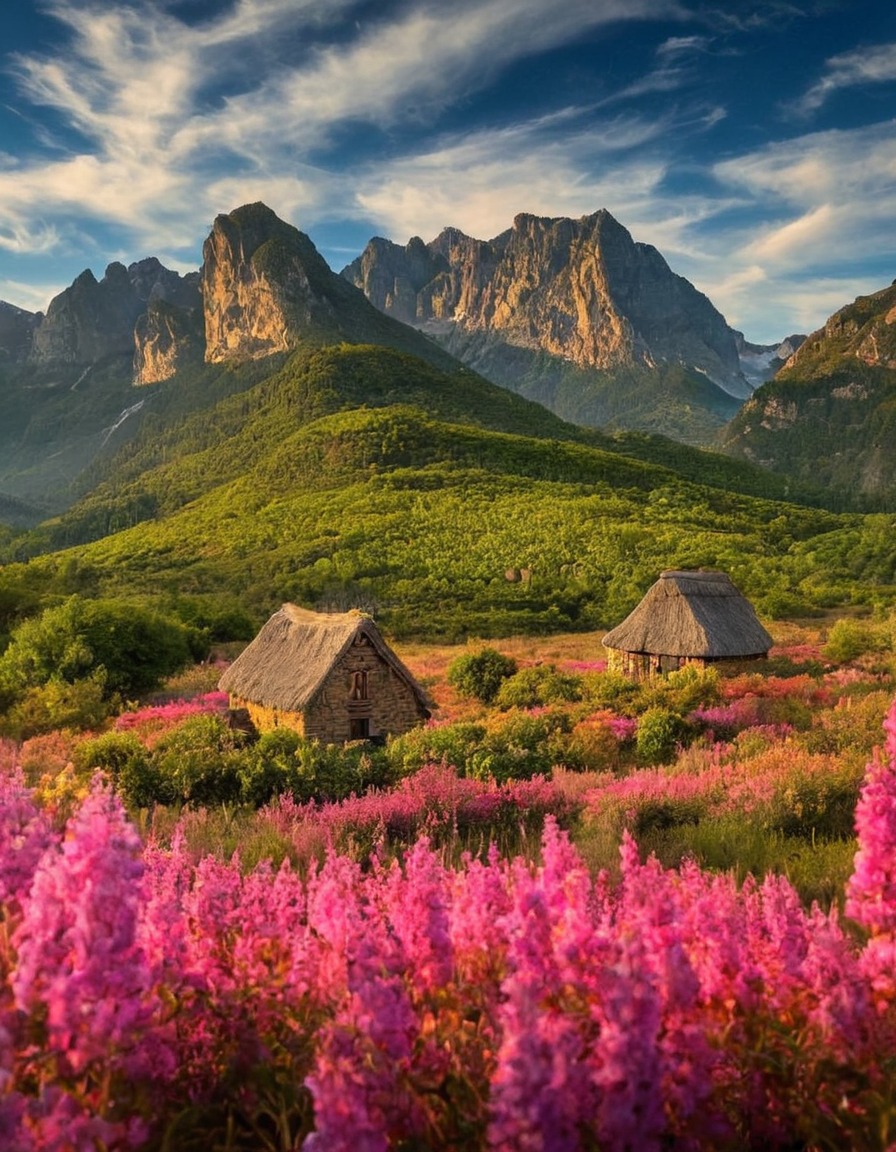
<point>391,706</point>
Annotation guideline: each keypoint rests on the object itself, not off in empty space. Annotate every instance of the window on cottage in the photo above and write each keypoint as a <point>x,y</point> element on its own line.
<point>358,690</point>
<point>359,729</point>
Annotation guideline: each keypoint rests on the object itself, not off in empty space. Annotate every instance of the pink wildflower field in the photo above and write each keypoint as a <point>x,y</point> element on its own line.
<point>152,1000</point>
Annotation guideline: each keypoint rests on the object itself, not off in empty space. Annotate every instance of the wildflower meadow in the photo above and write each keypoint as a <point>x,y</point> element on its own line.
<point>618,917</point>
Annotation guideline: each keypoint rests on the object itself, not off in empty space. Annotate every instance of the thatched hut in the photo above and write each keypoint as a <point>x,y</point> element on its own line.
<point>686,618</point>
<point>330,677</point>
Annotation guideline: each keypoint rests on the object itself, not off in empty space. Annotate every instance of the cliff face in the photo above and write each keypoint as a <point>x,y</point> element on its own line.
<point>93,320</point>
<point>167,337</point>
<point>581,291</point>
<point>829,415</point>
<point>263,285</point>
<point>16,332</point>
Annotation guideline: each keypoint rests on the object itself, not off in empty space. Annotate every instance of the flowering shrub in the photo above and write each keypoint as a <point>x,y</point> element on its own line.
<point>148,1000</point>
<point>160,717</point>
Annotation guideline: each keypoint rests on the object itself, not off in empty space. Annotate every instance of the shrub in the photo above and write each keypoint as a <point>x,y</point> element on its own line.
<point>198,762</point>
<point>128,764</point>
<point>682,691</point>
<point>479,675</point>
<point>848,640</point>
<point>270,766</point>
<point>660,733</point>
<point>518,746</point>
<point>58,704</point>
<point>132,647</point>
<point>448,743</point>
<point>610,690</point>
<point>538,686</point>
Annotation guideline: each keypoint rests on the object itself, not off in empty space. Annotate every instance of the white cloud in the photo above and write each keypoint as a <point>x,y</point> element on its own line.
<point>170,114</point>
<point>875,65</point>
<point>834,194</point>
<point>480,181</point>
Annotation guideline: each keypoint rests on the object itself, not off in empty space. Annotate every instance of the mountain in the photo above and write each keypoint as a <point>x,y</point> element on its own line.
<point>309,447</point>
<point>759,362</point>
<point>67,396</point>
<point>572,313</point>
<point>829,415</point>
<point>353,476</point>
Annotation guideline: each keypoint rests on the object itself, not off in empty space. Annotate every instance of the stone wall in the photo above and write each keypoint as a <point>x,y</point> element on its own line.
<point>390,707</point>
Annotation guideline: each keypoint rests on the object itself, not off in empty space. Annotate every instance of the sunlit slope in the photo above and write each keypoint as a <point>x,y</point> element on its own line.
<point>449,529</point>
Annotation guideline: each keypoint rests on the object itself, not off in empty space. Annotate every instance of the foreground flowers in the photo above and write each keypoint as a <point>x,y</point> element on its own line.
<point>151,1001</point>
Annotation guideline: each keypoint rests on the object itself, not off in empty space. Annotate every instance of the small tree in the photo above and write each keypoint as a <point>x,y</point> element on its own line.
<point>479,675</point>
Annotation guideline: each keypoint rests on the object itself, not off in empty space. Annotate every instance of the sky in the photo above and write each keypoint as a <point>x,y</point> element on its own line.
<point>753,144</point>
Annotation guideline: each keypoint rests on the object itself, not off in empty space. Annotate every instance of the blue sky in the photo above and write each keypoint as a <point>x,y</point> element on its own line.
<point>754,144</point>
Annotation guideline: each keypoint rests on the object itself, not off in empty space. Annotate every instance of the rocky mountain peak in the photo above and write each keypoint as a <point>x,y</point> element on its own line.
<point>16,331</point>
<point>263,284</point>
<point>581,291</point>
<point>93,320</point>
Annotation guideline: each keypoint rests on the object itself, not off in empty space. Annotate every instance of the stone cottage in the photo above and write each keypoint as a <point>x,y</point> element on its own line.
<point>330,677</point>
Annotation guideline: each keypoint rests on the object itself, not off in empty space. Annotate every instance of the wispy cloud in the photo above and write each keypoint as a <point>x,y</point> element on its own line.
<point>151,118</point>
<point>163,128</point>
<point>876,65</point>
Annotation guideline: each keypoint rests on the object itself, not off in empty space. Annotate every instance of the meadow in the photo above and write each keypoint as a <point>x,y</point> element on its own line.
<point>580,913</point>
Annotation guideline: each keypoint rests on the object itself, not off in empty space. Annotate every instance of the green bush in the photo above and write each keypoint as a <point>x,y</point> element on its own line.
<point>198,761</point>
<point>538,686</point>
<point>270,766</point>
<point>449,743</point>
<point>609,690</point>
<point>335,771</point>
<point>518,746</point>
<point>57,704</point>
<point>681,691</point>
<point>133,647</point>
<point>660,733</point>
<point>128,764</point>
<point>479,675</point>
<point>848,640</point>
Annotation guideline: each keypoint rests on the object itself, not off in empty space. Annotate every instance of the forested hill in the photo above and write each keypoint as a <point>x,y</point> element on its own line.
<point>358,476</point>
<point>196,438</point>
<point>829,415</point>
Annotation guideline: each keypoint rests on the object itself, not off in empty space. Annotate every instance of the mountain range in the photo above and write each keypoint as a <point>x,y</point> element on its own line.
<point>574,314</point>
<point>261,429</point>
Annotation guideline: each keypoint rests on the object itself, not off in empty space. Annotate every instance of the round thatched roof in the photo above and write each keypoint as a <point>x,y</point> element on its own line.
<point>692,614</point>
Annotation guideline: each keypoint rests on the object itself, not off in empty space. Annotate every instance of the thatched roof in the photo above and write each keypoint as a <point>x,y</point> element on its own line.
<point>696,614</point>
<point>288,661</point>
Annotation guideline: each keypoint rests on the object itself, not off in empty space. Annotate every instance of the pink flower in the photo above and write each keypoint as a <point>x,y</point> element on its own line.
<point>78,959</point>
<point>871,890</point>
<point>24,834</point>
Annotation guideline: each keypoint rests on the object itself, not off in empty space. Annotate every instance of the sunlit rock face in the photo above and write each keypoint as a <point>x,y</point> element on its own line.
<point>263,285</point>
<point>579,290</point>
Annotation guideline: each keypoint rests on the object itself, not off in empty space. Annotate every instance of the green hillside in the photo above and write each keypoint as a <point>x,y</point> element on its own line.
<point>829,416</point>
<point>669,399</point>
<point>450,530</point>
<point>212,425</point>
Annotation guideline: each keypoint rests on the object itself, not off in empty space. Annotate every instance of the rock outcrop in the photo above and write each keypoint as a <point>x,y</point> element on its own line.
<point>581,291</point>
<point>263,285</point>
<point>93,320</point>
<point>167,338</point>
<point>827,417</point>
<point>16,332</point>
